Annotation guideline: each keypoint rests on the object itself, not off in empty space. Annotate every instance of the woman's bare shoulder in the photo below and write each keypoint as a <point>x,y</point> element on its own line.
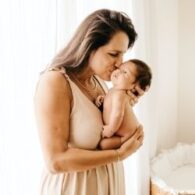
<point>54,78</point>
<point>53,81</point>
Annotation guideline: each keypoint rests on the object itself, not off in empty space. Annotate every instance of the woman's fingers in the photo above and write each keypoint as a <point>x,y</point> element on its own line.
<point>131,94</point>
<point>133,143</point>
<point>140,92</point>
<point>139,132</point>
<point>141,138</point>
<point>132,98</point>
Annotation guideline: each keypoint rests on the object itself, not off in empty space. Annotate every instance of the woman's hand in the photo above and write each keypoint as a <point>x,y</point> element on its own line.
<point>132,144</point>
<point>135,94</point>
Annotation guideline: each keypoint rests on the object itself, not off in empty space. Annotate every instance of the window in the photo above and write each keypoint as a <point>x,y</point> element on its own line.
<point>31,34</point>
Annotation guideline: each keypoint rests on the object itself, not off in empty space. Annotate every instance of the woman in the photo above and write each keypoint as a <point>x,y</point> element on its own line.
<point>69,123</point>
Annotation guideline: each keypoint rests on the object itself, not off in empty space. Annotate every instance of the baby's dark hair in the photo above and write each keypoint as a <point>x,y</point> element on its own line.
<point>144,74</point>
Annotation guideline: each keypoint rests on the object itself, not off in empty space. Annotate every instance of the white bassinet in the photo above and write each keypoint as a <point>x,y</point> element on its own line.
<point>173,171</point>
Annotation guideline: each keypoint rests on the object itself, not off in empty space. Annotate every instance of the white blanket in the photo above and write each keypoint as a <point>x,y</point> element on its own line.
<point>174,170</point>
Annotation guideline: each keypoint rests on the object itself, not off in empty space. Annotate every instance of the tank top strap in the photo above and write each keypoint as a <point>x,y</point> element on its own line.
<point>59,69</point>
<point>101,83</point>
<point>72,84</point>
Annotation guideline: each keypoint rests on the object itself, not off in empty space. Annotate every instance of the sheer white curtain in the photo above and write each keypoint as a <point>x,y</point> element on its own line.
<point>157,24</point>
<point>142,51</point>
<point>32,31</point>
<point>27,42</point>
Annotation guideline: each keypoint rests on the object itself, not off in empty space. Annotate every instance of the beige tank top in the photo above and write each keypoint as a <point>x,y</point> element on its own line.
<point>85,132</point>
<point>85,118</point>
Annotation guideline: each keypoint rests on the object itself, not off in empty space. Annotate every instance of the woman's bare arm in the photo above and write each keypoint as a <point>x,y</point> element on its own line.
<point>52,110</point>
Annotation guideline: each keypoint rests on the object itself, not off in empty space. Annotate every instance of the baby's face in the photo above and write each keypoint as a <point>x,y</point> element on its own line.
<point>125,76</point>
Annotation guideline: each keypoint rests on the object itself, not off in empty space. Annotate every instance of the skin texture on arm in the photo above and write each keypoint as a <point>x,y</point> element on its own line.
<point>116,113</point>
<point>52,110</point>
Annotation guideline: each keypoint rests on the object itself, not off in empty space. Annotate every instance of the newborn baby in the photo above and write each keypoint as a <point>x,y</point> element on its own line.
<point>119,119</point>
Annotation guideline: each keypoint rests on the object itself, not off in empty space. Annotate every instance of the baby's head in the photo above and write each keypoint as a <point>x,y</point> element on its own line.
<point>131,73</point>
<point>143,74</point>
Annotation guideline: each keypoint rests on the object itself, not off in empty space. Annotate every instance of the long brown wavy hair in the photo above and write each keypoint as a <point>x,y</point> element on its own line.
<point>95,31</point>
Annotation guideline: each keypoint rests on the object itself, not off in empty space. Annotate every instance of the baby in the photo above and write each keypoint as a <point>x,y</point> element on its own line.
<point>119,119</point>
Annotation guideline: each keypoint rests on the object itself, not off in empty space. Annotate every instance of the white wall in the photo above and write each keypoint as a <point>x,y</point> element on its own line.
<point>186,114</point>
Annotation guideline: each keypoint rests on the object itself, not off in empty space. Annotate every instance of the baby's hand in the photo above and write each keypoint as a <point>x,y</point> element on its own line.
<point>107,132</point>
<point>99,100</point>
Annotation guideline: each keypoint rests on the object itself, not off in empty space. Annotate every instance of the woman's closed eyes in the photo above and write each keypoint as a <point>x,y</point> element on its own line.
<point>114,54</point>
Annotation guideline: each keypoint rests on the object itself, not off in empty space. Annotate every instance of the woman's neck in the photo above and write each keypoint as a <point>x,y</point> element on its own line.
<point>84,79</point>
<point>86,82</point>
<point>84,76</point>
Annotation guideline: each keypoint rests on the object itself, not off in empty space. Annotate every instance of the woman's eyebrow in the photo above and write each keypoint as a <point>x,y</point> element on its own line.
<point>118,51</point>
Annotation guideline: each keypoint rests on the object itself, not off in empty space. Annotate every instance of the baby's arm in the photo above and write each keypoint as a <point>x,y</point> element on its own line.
<point>116,114</point>
<point>113,142</point>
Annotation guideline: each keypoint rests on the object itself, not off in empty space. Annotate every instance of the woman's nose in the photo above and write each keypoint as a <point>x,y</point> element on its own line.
<point>119,62</point>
